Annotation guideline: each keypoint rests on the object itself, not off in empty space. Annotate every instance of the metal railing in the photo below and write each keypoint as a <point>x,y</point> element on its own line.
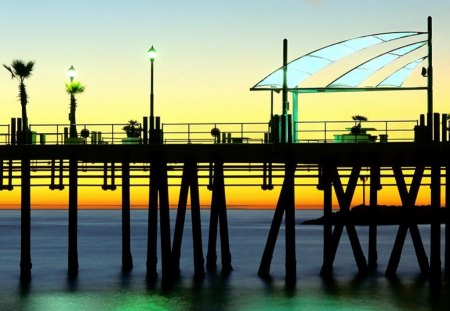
<point>5,134</point>
<point>100,133</point>
<point>225,132</point>
<point>326,131</point>
<point>252,132</point>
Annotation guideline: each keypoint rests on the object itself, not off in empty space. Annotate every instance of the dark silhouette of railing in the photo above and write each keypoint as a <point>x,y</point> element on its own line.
<point>224,132</point>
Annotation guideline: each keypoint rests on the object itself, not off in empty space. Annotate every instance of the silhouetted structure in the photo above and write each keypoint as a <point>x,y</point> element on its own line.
<point>430,151</point>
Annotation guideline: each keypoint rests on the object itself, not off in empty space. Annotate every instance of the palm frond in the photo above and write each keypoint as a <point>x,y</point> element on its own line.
<point>21,69</point>
<point>359,118</point>
<point>10,70</point>
<point>75,87</point>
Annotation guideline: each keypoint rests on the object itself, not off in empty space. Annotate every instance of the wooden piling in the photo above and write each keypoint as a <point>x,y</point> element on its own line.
<point>291,261</point>
<point>199,261</point>
<point>218,216</point>
<point>164,218</point>
<point>127,259</point>
<point>435,231</point>
<point>286,201</point>
<point>374,187</point>
<point>179,223</point>
<point>159,189</point>
<point>25,219</point>
<point>189,180</point>
<point>345,199</point>
<point>73,217</point>
<point>152,233</point>
<point>326,186</point>
<point>408,201</point>
<point>447,222</point>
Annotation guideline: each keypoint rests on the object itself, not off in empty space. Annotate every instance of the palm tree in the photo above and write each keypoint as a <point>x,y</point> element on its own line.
<point>20,70</point>
<point>73,88</point>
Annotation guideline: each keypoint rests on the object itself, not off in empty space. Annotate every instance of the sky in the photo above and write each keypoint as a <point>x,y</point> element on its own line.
<point>210,53</point>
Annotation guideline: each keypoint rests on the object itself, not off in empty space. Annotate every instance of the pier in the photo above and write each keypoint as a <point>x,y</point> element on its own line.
<point>210,165</point>
<point>282,155</point>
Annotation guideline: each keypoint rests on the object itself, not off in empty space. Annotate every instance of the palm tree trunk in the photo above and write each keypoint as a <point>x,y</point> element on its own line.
<point>23,102</point>
<point>73,122</point>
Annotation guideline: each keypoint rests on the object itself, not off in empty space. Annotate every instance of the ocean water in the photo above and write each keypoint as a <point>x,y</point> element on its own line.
<point>101,285</point>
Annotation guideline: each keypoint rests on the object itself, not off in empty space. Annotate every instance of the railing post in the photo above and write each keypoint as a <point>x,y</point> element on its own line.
<point>57,134</point>
<point>13,131</point>
<point>145,129</point>
<point>444,127</point>
<point>436,121</point>
<point>189,133</point>
<point>112,133</point>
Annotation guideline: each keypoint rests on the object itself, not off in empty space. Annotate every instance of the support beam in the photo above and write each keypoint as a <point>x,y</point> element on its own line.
<point>435,231</point>
<point>289,224</point>
<point>179,223</point>
<point>152,233</point>
<point>159,189</point>
<point>25,219</point>
<point>447,222</point>
<point>73,217</point>
<point>218,216</point>
<point>374,187</point>
<point>164,217</point>
<point>127,259</point>
<point>408,201</point>
<point>286,202</point>
<point>345,199</point>
<point>189,180</point>
<point>326,185</point>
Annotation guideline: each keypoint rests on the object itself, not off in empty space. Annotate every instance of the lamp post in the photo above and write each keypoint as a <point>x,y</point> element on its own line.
<point>72,73</point>
<point>151,53</point>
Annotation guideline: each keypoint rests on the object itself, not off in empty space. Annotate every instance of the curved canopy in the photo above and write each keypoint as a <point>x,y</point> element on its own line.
<point>305,66</point>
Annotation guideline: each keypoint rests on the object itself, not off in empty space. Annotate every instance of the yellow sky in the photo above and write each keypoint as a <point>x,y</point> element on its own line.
<point>210,54</point>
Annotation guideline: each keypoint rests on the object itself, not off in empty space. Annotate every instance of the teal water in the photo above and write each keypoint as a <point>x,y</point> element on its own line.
<point>102,286</point>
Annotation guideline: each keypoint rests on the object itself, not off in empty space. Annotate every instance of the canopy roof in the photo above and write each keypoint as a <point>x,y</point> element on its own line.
<point>378,61</point>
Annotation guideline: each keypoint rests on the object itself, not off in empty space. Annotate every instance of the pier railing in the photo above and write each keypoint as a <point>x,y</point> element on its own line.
<point>305,131</point>
<point>99,133</point>
<point>226,132</point>
<point>326,131</point>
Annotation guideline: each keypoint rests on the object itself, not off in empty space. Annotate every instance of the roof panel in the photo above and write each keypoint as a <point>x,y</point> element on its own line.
<point>302,67</point>
<point>360,73</point>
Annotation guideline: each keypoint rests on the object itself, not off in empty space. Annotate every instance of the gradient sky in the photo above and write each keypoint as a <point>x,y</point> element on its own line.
<point>210,53</point>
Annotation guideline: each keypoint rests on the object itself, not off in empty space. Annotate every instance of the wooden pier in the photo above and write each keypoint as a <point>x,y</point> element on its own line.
<point>329,161</point>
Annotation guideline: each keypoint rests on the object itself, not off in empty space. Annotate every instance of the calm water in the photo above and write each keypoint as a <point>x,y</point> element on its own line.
<point>101,285</point>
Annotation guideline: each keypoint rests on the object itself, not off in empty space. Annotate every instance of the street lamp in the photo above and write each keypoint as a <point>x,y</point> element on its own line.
<point>72,73</point>
<point>151,53</point>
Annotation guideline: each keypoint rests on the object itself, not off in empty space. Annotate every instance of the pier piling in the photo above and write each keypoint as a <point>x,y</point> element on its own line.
<point>447,222</point>
<point>218,216</point>
<point>127,259</point>
<point>25,245</point>
<point>73,217</point>
<point>435,231</point>
<point>189,181</point>
<point>408,201</point>
<point>286,202</point>
<point>344,200</point>
<point>374,187</point>
<point>159,192</point>
<point>325,184</point>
